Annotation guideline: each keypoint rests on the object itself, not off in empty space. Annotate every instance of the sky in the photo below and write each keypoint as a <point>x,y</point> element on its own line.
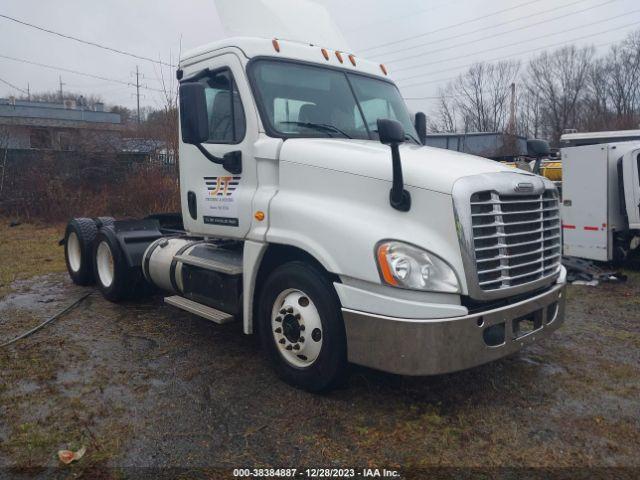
<point>424,43</point>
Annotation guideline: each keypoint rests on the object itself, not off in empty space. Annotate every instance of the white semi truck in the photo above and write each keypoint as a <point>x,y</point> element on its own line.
<point>313,214</point>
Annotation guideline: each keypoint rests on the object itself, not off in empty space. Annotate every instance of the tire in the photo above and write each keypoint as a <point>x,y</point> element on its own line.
<point>105,222</point>
<point>312,326</point>
<point>78,250</point>
<point>113,276</point>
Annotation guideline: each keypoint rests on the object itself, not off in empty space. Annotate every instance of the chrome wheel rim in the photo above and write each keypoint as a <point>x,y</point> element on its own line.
<point>74,255</point>
<point>296,328</point>
<point>104,263</point>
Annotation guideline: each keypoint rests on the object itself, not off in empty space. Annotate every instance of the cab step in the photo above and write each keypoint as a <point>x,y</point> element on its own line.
<point>199,309</point>
<point>210,257</point>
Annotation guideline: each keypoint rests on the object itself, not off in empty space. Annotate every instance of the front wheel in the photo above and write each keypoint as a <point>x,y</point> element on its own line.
<point>301,327</point>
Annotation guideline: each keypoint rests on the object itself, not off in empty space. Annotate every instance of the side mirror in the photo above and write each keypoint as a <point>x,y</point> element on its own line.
<point>421,127</point>
<point>391,133</point>
<point>194,120</point>
<point>538,148</point>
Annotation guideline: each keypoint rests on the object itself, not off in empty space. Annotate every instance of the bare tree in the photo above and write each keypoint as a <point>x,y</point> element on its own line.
<point>478,100</point>
<point>595,112</point>
<point>446,113</point>
<point>54,97</point>
<point>560,79</point>
<point>623,67</point>
<point>482,95</point>
<point>168,127</point>
<point>529,116</point>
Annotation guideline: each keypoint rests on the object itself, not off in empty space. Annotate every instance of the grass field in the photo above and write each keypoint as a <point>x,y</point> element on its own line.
<point>27,251</point>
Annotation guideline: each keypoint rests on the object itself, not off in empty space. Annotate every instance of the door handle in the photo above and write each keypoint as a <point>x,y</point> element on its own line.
<point>193,205</point>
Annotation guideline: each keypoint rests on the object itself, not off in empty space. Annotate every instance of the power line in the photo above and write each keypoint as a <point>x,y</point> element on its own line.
<point>494,35</point>
<point>14,87</point>
<point>481,29</point>
<point>86,42</point>
<point>448,27</point>
<point>75,72</point>
<point>568,42</point>
<point>412,14</point>
<point>520,43</point>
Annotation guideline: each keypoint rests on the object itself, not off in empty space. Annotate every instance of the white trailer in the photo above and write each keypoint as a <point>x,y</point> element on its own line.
<point>601,195</point>
<point>312,213</point>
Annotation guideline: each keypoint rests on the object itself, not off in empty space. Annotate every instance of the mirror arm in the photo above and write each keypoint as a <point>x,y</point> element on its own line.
<point>537,165</point>
<point>399,198</point>
<point>232,161</point>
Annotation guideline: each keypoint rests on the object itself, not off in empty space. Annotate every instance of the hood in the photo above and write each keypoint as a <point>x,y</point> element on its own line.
<point>423,167</point>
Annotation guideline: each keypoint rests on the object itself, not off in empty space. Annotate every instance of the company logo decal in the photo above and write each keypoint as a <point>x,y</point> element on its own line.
<point>221,186</point>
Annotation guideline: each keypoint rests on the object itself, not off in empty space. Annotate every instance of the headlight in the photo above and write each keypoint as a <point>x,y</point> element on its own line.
<point>405,266</point>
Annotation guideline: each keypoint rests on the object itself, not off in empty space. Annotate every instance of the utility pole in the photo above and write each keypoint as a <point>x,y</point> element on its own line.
<point>512,115</point>
<point>138,92</point>
<point>138,86</point>
<point>28,92</point>
<point>61,93</point>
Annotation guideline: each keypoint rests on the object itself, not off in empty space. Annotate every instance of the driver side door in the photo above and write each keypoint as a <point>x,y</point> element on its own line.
<point>216,202</point>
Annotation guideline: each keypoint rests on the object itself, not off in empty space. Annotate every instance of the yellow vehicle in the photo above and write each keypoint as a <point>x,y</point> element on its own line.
<point>552,169</point>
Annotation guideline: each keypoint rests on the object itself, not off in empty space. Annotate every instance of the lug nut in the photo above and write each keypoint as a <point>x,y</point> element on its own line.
<point>283,311</point>
<point>289,347</point>
<point>301,339</point>
<point>282,341</point>
<point>298,316</point>
<point>290,310</point>
<point>278,319</point>
<point>316,334</point>
<point>302,327</point>
<point>278,330</point>
<point>296,347</point>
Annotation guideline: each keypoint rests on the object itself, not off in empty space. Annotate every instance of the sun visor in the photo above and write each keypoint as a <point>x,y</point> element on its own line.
<point>298,20</point>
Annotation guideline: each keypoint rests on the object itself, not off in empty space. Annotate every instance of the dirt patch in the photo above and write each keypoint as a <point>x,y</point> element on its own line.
<point>145,385</point>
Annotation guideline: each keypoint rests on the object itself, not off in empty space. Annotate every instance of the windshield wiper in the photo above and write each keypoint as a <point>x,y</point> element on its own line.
<point>410,137</point>
<point>319,126</point>
<point>406,137</point>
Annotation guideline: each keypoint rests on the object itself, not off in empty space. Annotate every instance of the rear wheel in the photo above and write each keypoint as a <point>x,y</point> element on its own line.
<point>301,327</point>
<point>78,250</point>
<point>114,278</point>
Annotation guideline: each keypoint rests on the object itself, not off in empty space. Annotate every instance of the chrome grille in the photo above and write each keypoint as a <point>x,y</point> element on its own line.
<point>516,238</point>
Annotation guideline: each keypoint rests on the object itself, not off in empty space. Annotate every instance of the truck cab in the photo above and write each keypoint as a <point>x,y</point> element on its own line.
<point>314,214</point>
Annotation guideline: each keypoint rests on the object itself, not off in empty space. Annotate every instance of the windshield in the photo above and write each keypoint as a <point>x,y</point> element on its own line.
<point>299,100</point>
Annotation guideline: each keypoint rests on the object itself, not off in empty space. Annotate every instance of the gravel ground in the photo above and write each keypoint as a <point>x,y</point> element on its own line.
<point>143,385</point>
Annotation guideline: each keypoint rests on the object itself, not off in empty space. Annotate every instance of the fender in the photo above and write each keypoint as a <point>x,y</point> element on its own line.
<point>134,236</point>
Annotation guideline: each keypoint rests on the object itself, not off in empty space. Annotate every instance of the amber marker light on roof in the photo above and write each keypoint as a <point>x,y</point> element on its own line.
<point>276,45</point>
<point>384,69</point>
<point>325,54</point>
<point>353,59</point>
<point>339,55</point>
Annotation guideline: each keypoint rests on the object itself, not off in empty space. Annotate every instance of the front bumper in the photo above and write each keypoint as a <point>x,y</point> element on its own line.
<point>430,347</point>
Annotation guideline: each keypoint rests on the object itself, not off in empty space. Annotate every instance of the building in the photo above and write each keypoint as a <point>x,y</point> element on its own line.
<point>68,126</point>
